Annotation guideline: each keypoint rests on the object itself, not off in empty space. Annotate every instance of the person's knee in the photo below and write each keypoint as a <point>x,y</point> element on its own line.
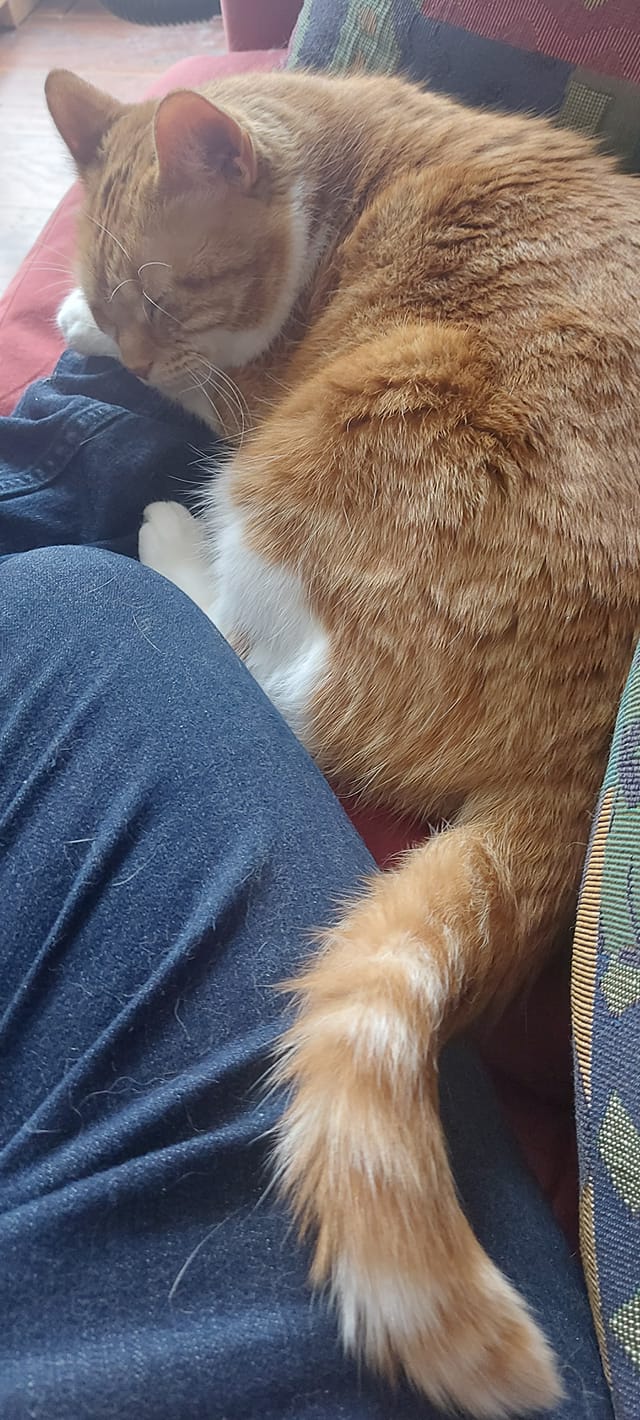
<point>89,623</point>
<point>62,572</point>
<point>62,584</point>
<point>86,590</point>
<point>77,608</point>
<point>78,603</point>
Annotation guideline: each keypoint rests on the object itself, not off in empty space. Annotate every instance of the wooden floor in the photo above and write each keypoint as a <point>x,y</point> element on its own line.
<point>35,169</point>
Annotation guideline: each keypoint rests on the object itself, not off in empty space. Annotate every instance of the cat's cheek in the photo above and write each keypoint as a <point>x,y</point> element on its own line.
<point>75,322</point>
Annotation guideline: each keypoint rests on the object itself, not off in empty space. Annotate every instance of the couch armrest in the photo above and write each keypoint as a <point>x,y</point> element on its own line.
<point>259,24</point>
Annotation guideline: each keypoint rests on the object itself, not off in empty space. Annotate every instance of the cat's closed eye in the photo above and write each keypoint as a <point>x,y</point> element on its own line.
<point>195,283</point>
<point>155,315</point>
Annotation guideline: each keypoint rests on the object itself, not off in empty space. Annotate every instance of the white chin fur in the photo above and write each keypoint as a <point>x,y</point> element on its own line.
<point>267,605</point>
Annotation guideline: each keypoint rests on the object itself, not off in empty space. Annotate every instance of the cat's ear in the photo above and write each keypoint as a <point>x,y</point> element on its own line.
<point>82,114</point>
<point>198,142</point>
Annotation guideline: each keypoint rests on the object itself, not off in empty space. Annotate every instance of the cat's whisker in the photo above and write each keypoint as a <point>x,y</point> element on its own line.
<point>235,391</point>
<point>230,396</point>
<point>200,453</point>
<point>147,297</point>
<point>206,396</point>
<point>153,263</point>
<point>244,408</point>
<point>117,288</point>
<point>49,266</point>
<point>115,239</point>
<point>56,285</point>
<point>197,384</point>
<point>275,380</point>
<point>211,402</point>
<point>200,380</point>
<point>56,251</point>
<point>213,373</point>
<point>203,461</point>
<point>189,389</point>
<point>234,410</point>
<point>201,385</point>
<point>191,484</point>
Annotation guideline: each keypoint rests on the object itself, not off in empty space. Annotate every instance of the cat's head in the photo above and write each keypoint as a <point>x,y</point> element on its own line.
<point>192,240</point>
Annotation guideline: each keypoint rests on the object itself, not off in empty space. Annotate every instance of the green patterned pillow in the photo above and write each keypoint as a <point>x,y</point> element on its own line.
<point>577,59</point>
<point>606,1023</point>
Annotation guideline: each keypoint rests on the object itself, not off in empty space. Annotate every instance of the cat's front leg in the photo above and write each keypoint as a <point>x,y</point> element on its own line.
<point>172,543</point>
<point>76,324</point>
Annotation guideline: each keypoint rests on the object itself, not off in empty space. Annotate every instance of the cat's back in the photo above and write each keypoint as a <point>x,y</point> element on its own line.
<point>470,208</point>
<point>489,273</point>
<point>525,238</point>
<point>446,206</point>
<point>506,241</point>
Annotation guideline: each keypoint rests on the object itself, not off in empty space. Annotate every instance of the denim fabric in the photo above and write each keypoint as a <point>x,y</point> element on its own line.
<point>165,848</point>
<point>85,450</point>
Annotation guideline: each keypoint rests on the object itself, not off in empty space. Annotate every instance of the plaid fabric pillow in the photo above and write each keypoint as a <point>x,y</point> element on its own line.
<point>577,59</point>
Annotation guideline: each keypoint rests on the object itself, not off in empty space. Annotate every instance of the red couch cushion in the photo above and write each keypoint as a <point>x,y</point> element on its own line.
<point>248,25</point>
<point>529,1051</point>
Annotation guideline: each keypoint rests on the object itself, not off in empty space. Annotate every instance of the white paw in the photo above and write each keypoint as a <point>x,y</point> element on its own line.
<point>168,538</point>
<point>79,329</point>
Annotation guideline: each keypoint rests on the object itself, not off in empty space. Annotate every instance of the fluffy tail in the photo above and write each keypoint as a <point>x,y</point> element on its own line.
<point>361,1154</point>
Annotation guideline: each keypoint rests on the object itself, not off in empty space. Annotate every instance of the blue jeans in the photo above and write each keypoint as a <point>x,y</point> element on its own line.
<point>165,847</point>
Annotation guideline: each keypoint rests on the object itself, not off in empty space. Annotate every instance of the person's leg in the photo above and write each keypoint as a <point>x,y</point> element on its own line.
<point>85,451</point>
<point>166,847</point>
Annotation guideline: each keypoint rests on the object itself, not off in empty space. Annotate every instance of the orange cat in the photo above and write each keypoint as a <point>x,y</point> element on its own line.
<point>427,549</point>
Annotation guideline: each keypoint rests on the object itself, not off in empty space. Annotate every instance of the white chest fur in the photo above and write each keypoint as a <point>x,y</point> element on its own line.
<point>258,606</point>
<point>266,607</point>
